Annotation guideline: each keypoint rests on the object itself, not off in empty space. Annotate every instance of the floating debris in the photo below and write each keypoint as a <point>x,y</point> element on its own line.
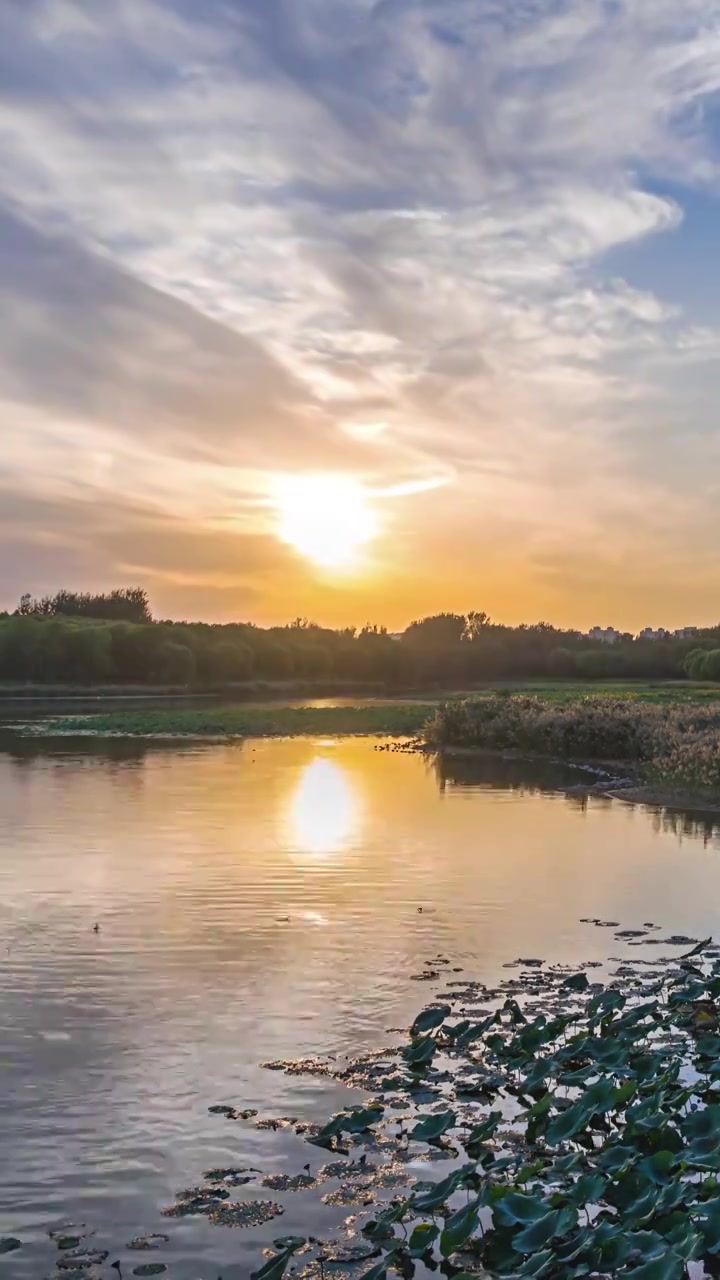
<point>230,1113</point>
<point>77,1230</point>
<point>283,1122</point>
<point>196,1200</point>
<point>391,1176</point>
<point>150,1269</point>
<point>248,1213</point>
<point>284,1182</point>
<point>9,1244</point>
<point>350,1193</point>
<point>302,1067</point>
<point>82,1258</point>
<point>346,1168</point>
<point>341,1260</point>
<point>232,1177</point>
<point>153,1241</point>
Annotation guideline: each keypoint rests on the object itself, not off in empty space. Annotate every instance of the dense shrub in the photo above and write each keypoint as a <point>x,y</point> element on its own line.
<point>605,728</point>
<point>690,763</point>
<point>677,745</point>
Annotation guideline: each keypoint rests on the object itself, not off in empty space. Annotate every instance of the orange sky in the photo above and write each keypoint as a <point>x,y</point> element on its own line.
<point>365,312</point>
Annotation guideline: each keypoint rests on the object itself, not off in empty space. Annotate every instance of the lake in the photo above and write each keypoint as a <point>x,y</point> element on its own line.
<point>261,901</point>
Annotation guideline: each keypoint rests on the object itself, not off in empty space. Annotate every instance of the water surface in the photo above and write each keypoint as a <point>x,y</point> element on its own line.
<point>261,901</point>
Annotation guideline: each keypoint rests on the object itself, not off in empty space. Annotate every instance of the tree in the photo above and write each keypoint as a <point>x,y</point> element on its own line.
<point>313,660</point>
<point>694,664</point>
<point>562,662</point>
<point>133,650</point>
<point>711,665</point>
<point>274,660</point>
<point>598,664</point>
<point>228,660</point>
<point>436,631</point>
<point>130,604</point>
<point>475,624</point>
<point>174,663</point>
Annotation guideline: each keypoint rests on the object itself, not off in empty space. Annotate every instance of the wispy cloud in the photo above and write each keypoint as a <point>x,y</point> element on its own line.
<point>380,238</point>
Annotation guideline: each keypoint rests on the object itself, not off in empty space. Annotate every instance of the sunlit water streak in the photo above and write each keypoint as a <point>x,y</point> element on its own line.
<point>258,902</point>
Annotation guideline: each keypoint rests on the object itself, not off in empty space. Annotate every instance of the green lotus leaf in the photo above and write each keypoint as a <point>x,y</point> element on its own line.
<point>669,1266</point>
<point>429,1019</point>
<point>420,1052</point>
<point>515,1208</point>
<point>558,1222</point>
<point>578,982</point>
<point>435,1196</point>
<point>432,1127</point>
<point>459,1227</point>
<point>422,1239</point>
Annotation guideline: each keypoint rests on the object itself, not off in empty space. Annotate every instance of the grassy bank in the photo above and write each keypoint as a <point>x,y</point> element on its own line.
<point>392,718</point>
<point>658,691</point>
<point>290,690</point>
<point>675,746</point>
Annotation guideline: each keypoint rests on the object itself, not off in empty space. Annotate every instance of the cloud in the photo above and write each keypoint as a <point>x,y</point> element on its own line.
<point>368,237</point>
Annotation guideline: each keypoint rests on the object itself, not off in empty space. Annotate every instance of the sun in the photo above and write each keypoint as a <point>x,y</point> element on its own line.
<point>325,518</point>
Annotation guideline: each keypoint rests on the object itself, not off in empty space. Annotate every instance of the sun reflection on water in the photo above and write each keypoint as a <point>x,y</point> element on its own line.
<point>324,810</point>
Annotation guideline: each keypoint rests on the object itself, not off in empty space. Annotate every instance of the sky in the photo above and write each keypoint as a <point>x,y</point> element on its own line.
<point>363,309</point>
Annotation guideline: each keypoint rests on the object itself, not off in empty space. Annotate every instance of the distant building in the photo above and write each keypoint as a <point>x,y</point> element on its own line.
<point>604,635</point>
<point>685,633</point>
<point>654,634</point>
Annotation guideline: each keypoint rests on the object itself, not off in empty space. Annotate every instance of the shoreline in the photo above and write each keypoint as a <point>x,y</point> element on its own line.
<point>301,687</point>
<point>665,798</point>
<point>610,783</point>
<point>610,779</point>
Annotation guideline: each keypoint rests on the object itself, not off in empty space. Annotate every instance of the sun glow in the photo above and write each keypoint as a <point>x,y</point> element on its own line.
<point>325,518</point>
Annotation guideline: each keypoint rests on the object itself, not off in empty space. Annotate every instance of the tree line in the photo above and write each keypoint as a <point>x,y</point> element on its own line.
<point>90,639</point>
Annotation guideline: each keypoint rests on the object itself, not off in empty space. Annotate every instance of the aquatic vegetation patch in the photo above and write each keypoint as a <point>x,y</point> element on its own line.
<point>397,719</point>
<point>578,1123</point>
